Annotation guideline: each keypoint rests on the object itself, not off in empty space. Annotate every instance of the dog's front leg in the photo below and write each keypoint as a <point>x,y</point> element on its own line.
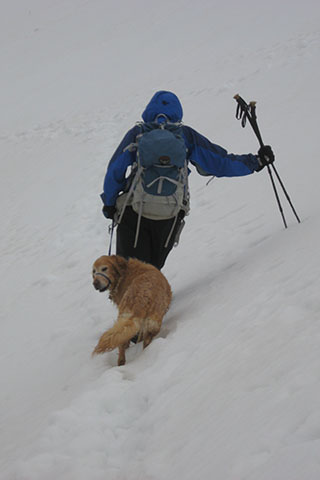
<point>122,353</point>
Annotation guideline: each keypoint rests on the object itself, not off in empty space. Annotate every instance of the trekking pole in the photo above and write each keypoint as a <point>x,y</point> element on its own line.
<point>244,112</point>
<point>110,231</point>
<point>254,119</point>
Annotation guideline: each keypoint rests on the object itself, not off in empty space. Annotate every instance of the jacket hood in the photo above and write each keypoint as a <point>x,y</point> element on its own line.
<point>163,102</point>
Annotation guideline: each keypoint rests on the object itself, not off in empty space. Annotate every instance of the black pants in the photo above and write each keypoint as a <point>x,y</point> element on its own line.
<point>153,235</point>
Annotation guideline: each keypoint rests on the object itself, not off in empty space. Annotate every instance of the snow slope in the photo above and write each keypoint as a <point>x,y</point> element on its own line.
<point>230,388</point>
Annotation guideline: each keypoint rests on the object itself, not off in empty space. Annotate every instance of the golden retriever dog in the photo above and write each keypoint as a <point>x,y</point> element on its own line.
<point>142,295</point>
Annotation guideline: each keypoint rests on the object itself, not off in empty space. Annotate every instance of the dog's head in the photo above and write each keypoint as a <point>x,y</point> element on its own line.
<point>106,272</point>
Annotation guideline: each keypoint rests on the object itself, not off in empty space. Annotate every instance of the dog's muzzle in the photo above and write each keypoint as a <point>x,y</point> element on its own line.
<point>100,286</point>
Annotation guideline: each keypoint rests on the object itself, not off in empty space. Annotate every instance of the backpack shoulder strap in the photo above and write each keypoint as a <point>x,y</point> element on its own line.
<point>133,146</point>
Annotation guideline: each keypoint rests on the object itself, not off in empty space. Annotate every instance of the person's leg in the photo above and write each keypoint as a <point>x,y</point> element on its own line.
<point>126,233</point>
<point>153,235</point>
<point>160,232</point>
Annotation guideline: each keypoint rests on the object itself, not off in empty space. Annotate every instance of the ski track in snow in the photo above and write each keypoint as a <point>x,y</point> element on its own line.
<point>229,389</point>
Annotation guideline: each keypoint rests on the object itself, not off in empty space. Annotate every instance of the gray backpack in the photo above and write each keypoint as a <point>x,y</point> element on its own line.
<point>158,185</point>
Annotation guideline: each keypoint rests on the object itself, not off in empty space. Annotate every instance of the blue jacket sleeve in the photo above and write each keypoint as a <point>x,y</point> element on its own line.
<point>115,179</point>
<point>211,159</point>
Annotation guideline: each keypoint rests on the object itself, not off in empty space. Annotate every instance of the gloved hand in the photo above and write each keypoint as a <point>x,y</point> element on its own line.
<point>109,211</point>
<point>265,157</point>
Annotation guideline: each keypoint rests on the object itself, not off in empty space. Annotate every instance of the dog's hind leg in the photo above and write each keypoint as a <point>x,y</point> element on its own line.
<point>122,353</point>
<point>151,328</point>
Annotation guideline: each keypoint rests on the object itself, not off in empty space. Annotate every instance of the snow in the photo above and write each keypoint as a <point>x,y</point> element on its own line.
<point>230,388</point>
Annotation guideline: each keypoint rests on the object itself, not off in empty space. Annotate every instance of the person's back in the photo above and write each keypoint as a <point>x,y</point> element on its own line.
<point>156,237</point>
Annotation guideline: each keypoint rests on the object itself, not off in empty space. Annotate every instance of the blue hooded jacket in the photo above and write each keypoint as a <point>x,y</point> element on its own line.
<point>207,157</point>
<point>163,102</point>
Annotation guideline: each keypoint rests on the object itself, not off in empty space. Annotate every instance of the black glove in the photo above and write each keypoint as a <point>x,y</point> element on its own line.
<point>265,157</point>
<point>109,211</point>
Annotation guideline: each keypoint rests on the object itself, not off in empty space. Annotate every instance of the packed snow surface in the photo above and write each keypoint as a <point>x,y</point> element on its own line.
<point>230,388</point>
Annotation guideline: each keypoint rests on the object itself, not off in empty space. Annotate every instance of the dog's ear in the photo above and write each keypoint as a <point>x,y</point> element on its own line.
<point>119,264</point>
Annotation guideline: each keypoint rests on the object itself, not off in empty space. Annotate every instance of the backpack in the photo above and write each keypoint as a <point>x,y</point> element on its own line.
<point>158,185</point>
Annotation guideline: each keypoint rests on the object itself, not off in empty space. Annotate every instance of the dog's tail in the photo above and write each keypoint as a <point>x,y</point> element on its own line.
<point>123,330</point>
